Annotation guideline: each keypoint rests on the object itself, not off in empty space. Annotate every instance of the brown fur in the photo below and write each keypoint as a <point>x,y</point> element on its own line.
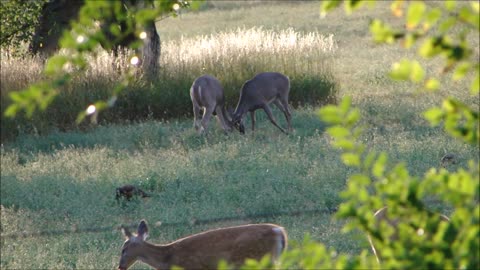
<point>204,250</point>
<point>261,90</point>
<point>128,192</point>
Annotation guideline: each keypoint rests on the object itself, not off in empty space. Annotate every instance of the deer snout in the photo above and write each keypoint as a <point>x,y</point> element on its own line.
<point>238,123</point>
<point>239,126</point>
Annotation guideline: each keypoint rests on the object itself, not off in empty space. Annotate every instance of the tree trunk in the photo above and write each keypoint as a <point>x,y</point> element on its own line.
<point>151,51</point>
<point>54,19</point>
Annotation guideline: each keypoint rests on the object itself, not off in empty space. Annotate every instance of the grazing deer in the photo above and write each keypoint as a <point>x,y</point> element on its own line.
<point>381,215</point>
<point>448,159</point>
<point>204,250</point>
<point>207,94</point>
<point>128,191</point>
<point>260,91</point>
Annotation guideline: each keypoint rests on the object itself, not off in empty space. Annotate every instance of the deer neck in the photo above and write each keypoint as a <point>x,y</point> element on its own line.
<point>239,111</point>
<point>157,256</point>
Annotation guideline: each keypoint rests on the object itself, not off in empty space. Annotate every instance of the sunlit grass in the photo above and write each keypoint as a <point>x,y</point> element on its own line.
<point>233,57</point>
<point>66,180</point>
<point>247,43</point>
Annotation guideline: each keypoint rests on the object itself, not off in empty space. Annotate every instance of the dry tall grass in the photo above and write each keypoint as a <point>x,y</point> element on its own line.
<point>233,57</point>
<point>243,43</point>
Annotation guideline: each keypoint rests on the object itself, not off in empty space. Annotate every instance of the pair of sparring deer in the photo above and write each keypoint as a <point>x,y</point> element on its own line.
<point>265,88</point>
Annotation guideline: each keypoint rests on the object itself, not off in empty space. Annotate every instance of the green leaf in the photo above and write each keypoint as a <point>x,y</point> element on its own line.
<point>352,117</point>
<point>431,18</point>
<point>55,64</point>
<point>461,71</point>
<point>379,166</point>
<point>12,110</point>
<point>415,14</point>
<point>351,159</point>
<point>369,159</point>
<point>146,15</point>
<point>338,132</point>
<point>401,70</point>
<point>434,115</point>
<point>344,144</point>
<point>417,74</point>
<point>432,84</point>
<point>80,117</point>
<point>446,24</point>
<point>474,89</point>
<point>449,105</point>
<point>330,114</point>
<point>381,32</point>
<point>345,104</point>
<point>196,4</point>
<point>38,95</point>
<point>468,15</point>
<point>428,48</point>
<point>450,5</point>
<point>410,39</point>
<point>327,6</point>
<point>351,5</point>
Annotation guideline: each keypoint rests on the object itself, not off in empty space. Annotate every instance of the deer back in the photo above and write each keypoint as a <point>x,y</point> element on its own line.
<point>261,90</point>
<point>206,91</point>
<point>205,250</point>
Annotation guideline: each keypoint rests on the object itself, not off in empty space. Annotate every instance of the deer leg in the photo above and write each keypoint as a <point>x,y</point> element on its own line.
<point>207,114</point>
<point>272,119</point>
<point>252,115</point>
<point>283,106</point>
<point>196,117</point>
<point>220,110</point>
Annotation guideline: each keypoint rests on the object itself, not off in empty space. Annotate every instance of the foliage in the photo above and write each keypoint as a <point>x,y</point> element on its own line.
<point>67,180</point>
<point>84,38</point>
<point>19,19</point>
<point>231,56</point>
<point>423,241</point>
<point>64,180</point>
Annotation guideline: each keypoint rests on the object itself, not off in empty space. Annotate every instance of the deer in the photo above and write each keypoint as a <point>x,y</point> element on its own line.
<point>206,249</point>
<point>129,191</point>
<point>381,215</point>
<point>207,94</point>
<point>257,93</point>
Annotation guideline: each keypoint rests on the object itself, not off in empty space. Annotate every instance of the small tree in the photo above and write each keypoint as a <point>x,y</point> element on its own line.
<point>19,19</point>
<point>109,24</point>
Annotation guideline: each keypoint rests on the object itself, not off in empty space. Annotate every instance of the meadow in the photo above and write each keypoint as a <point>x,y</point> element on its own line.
<point>58,207</point>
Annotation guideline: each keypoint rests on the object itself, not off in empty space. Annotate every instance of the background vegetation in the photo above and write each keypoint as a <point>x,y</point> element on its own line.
<point>233,55</point>
<point>67,180</point>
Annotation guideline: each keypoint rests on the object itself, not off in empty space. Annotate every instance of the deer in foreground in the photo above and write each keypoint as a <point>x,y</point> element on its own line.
<point>207,94</point>
<point>260,91</point>
<point>381,215</point>
<point>204,250</point>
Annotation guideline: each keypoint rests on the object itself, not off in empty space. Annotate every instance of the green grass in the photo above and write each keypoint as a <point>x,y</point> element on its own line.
<point>66,181</point>
<point>233,57</point>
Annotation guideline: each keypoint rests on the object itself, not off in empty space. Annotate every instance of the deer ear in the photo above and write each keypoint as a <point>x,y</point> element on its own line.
<point>143,230</point>
<point>126,232</point>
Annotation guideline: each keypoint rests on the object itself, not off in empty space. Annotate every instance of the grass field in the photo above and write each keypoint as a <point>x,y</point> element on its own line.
<point>64,183</point>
